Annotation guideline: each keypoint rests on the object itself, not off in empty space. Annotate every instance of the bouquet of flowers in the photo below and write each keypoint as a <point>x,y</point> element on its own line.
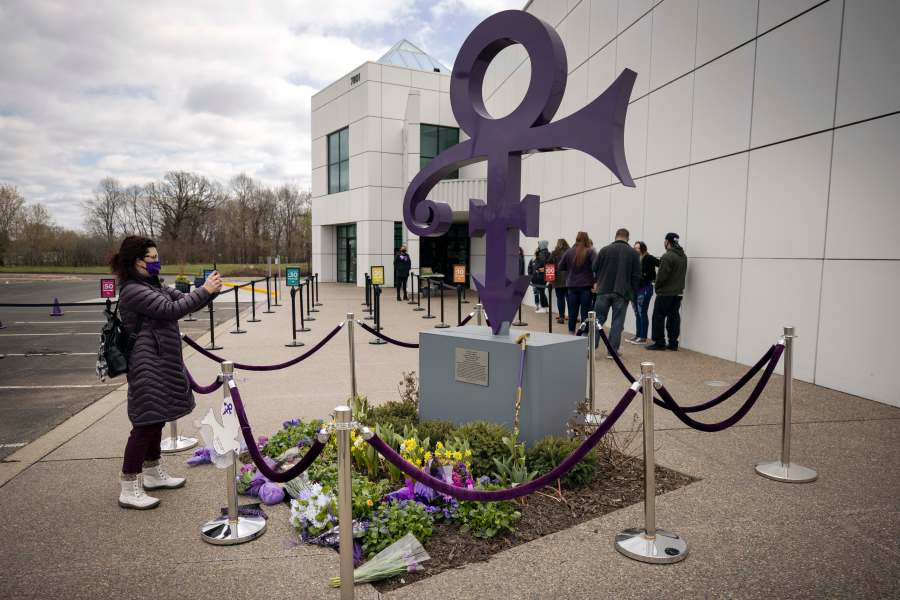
<point>314,512</point>
<point>406,555</point>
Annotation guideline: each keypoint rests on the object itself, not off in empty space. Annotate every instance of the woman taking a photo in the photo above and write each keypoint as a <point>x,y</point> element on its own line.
<point>158,389</point>
<point>578,263</point>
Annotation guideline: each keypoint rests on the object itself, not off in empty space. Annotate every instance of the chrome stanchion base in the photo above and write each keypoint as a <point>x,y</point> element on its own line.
<point>212,347</point>
<point>188,319</point>
<point>222,532</point>
<point>238,331</point>
<point>441,325</point>
<point>519,324</point>
<point>318,304</point>
<point>663,548</point>
<point>313,309</point>
<point>177,444</point>
<point>370,317</point>
<point>303,329</point>
<point>294,344</point>
<point>418,308</point>
<point>254,320</point>
<point>429,317</point>
<point>377,342</point>
<point>790,473</point>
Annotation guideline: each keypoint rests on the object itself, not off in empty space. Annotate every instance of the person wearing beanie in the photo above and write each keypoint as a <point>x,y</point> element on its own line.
<point>669,290</point>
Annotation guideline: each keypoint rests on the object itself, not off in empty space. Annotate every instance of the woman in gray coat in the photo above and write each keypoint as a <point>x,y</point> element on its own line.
<point>158,389</point>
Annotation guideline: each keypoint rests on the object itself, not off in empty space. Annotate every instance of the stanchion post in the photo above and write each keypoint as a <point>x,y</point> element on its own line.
<point>237,314</point>
<point>268,297</point>
<point>294,343</point>
<point>316,277</point>
<point>479,315</point>
<point>549,308</point>
<point>276,289</point>
<point>352,356</point>
<point>650,544</point>
<point>428,315</point>
<point>366,292</point>
<point>519,322</point>
<point>253,318</point>
<point>212,328</point>
<point>310,300</point>
<point>784,470</point>
<point>175,442</point>
<point>232,528</point>
<point>459,295</point>
<point>303,327</point>
<point>343,424</point>
<point>412,288</point>
<point>442,324</point>
<point>418,294</point>
<point>309,308</point>
<point>376,292</point>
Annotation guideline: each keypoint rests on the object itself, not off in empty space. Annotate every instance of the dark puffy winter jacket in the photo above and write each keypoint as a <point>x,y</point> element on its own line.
<point>618,269</point>
<point>158,389</point>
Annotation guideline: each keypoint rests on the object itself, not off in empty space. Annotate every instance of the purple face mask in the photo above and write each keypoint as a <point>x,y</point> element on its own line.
<point>153,267</point>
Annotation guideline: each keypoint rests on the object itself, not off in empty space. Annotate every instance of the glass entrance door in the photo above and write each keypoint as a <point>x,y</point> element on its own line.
<point>346,253</point>
<point>441,253</point>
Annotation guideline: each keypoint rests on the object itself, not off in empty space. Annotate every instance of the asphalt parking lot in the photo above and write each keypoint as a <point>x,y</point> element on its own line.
<point>47,363</point>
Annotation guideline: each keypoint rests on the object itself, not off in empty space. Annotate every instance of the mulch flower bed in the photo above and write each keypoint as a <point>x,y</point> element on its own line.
<point>619,484</point>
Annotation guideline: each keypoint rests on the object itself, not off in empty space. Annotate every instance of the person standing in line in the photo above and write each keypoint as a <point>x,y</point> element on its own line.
<point>644,294</point>
<point>559,286</point>
<point>536,272</point>
<point>158,388</point>
<point>618,269</point>
<point>578,263</point>
<point>521,261</point>
<point>669,290</point>
<point>402,266</point>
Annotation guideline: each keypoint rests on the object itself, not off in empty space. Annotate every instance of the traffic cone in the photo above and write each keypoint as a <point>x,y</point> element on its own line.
<point>57,309</point>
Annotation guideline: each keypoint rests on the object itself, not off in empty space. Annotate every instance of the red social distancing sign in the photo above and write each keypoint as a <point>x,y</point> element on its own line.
<point>107,288</point>
<point>549,272</point>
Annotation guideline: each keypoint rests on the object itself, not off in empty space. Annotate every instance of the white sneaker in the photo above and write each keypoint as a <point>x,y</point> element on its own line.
<point>132,495</point>
<point>155,477</point>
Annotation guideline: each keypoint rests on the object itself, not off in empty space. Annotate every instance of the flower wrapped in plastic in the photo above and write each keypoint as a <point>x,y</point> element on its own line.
<point>406,555</point>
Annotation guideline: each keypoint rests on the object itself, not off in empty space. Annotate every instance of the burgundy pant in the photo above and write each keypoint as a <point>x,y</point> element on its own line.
<point>142,445</point>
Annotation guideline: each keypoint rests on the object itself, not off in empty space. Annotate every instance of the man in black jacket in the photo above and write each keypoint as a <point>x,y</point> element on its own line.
<point>669,289</point>
<point>617,270</point>
<point>402,264</point>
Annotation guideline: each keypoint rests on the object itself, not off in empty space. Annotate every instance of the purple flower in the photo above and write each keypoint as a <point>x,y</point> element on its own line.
<point>200,457</point>
<point>290,423</point>
<point>304,442</point>
<point>262,441</point>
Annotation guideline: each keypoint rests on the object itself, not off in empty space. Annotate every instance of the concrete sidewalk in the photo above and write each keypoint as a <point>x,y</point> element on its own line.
<point>64,536</point>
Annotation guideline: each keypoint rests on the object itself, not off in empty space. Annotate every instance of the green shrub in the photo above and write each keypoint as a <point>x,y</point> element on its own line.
<point>366,494</point>
<point>394,413</point>
<point>551,450</point>
<point>486,441</point>
<point>436,431</point>
<point>292,433</point>
<point>392,521</point>
<point>487,519</point>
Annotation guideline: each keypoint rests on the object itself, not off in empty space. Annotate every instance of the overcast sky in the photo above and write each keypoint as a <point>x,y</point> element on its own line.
<point>132,89</point>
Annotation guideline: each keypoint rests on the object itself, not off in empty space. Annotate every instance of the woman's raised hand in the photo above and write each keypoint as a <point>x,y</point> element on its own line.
<point>213,283</point>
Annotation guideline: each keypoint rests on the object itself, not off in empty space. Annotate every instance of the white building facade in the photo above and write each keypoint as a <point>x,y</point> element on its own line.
<point>765,132</point>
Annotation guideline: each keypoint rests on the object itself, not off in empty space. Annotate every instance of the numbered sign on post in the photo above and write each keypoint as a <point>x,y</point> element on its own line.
<point>107,288</point>
<point>549,272</point>
<point>292,274</point>
<point>377,275</point>
<point>459,273</point>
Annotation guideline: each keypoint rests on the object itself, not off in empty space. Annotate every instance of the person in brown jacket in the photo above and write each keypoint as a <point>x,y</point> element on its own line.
<point>158,389</point>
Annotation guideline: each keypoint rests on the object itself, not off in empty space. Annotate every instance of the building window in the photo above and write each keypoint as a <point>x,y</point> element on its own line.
<point>398,235</point>
<point>433,140</point>
<point>339,161</point>
<point>346,253</point>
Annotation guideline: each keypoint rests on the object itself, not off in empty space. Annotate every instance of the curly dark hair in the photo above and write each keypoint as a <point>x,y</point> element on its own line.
<point>133,248</point>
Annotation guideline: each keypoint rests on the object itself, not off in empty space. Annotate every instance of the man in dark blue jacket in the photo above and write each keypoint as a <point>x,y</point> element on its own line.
<point>617,270</point>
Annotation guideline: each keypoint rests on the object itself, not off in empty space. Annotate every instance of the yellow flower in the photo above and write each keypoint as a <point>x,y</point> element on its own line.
<point>457,455</point>
<point>468,453</point>
<point>428,456</point>
<point>440,446</point>
<point>369,502</point>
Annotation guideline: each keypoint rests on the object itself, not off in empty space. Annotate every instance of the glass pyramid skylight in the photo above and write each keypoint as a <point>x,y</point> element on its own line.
<point>406,54</point>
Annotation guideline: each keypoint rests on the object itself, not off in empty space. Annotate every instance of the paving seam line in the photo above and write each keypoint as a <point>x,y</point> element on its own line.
<point>17,466</point>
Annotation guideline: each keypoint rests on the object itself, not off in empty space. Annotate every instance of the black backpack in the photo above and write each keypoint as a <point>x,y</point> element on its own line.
<point>115,344</point>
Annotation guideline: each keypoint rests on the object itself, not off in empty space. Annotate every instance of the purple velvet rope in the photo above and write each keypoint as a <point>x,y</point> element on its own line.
<point>277,367</point>
<point>386,338</point>
<point>669,403</point>
<point>467,319</point>
<point>507,494</point>
<point>200,389</point>
<point>277,476</point>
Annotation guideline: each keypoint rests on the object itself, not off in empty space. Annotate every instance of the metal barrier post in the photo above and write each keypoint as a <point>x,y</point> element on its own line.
<point>309,308</point>
<point>232,528</point>
<point>343,424</point>
<point>253,318</point>
<point>366,293</point>
<point>442,324</point>
<point>294,343</point>
<point>352,356</point>
<point>268,297</point>
<point>310,298</point>
<point>479,315</point>
<point>412,288</point>
<point>376,290</point>
<point>175,442</point>
<point>303,327</point>
<point>464,301</point>
<point>428,315</point>
<point>519,322</point>
<point>650,544</point>
<point>316,289</point>
<point>189,319</point>
<point>592,340</point>
<point>459,295</point>
<point>237,314</point>
<point>549,308</point>
<point>784,470</point>
<point>276,289</point>
<point>418,294</point>
<point>212,328</point>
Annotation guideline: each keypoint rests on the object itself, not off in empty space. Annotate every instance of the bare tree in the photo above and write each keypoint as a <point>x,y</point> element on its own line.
<point>182,199</point>
<point>11,203</point>
<point>102,213</point>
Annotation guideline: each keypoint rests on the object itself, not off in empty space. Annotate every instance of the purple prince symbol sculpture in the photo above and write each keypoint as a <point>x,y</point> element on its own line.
<point>598,129</point>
